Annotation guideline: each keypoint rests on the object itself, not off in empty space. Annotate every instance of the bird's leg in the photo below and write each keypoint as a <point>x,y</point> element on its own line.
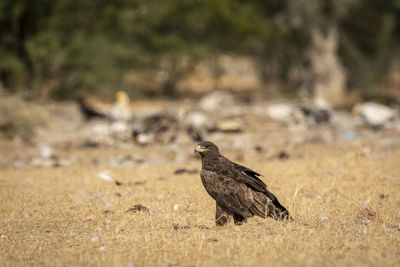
<point>238,219</point>
<point>221,216</point>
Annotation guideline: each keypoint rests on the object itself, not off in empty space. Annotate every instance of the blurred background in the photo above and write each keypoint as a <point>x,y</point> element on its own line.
<point>64,48</point>
<point>211,68</point>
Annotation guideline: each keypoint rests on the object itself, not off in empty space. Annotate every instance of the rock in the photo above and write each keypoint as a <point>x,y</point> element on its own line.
<point>285,113</point>
<point>230,125</point>
<point>216,101</point>
<point>196,119</point>
<point>196,123</point>
<point>374,114</point>
<point>105,176</point>
<point>45,150</point>
<point>160,128</point>
<point>104,133</point>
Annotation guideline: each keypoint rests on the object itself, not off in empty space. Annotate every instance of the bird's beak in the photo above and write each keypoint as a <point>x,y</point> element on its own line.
<point>199,149</point>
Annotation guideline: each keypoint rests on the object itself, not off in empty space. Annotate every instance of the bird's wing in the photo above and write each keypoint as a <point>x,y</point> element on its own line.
<point>250,178</point>
<point>227,192</point>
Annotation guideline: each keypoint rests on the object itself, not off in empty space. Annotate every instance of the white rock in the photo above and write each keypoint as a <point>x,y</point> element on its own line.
<point>374,114</point>
<point>176,207</point>
<point>284,113</point>
<point>323,218</point>
<point>105,176</point>
<point>196,119</point>
<point>216,101</point>
<point>45,150</point>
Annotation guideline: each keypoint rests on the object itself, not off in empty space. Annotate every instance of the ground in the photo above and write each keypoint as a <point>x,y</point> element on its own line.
<point>69,216</point>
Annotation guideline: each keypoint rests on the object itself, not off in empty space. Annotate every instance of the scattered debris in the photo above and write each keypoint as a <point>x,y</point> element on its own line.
<point>118,183</point>
<point>366,214</point>
<point>312,195</point>
<point>395,227</point>
<point>365,230</point>
<point>283,155</point>
<point>316,115</point>
<point>181,227</point>
<point>173,263</point>
<point>104,133</point>
<point>183,171</point>
<point>138,208</point>
<point>105,176</point>
<point>127,160</point>
<point>323,218</point>
<point>199,226</point>
<point>211,240</point>
<point>367,201</point>
<point>95,238</point>
<point>382,196</point>
<point>348,134</point>
<point>258,148</point>
<point>100,200</point>
<point>176,207</point>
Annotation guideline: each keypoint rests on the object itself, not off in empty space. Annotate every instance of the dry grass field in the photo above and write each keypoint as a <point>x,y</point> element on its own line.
<point>68,216</point>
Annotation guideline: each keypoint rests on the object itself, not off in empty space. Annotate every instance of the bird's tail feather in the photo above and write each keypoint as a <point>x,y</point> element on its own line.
<point>267,205</point>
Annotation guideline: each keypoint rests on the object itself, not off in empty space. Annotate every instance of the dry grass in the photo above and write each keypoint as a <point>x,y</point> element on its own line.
<point>68,216</point>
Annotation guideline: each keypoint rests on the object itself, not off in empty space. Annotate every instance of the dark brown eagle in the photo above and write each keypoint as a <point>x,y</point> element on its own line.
<point>237,190</point>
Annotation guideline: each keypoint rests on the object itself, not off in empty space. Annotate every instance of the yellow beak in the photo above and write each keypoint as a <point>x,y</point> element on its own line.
<point>199,149</point>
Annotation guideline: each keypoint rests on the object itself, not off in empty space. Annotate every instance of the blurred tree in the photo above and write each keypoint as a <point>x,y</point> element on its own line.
<point>370,36</point>
<point>63,48</point>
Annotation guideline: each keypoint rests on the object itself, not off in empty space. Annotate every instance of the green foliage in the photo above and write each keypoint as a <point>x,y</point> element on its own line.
<point>65,47</point>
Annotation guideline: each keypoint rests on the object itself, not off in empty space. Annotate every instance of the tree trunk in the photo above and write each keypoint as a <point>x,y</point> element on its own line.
<point>329,77</point>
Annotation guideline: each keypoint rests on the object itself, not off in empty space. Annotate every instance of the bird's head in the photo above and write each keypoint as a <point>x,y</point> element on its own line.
<point>122,98</point>
<point>206,147</point>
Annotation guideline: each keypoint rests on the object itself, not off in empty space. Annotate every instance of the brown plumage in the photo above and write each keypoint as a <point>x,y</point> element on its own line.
<point>237,190</point>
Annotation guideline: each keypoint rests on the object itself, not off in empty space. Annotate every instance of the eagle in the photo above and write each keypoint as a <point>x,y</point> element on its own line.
<point>237,190</point>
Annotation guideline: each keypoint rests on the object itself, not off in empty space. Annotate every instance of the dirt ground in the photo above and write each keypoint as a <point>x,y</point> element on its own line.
<point>344,199</point>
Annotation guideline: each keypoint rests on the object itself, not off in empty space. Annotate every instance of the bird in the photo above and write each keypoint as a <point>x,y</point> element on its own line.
<point>94,108</point>
<point>237,190</point>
